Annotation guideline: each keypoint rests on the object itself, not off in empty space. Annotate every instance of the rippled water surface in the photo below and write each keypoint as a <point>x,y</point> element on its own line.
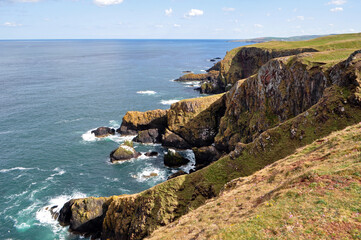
<point>54,92</point>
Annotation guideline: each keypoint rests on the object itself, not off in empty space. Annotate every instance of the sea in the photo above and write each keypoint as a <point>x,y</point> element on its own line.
<point>54,92</point>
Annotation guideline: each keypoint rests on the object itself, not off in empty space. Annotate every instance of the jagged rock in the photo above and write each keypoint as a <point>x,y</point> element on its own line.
<point>124,152</point>
<point>148,136</point>
<point>206,155</point>
<point>103,131</point>
<point>174,159</point>
<point>151,154</point>
<point>170,139</point>
<point>179,173</point>
<point>134,121</point>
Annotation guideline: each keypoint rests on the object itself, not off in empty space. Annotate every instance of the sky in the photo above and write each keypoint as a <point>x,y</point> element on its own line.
<point>176,19</point>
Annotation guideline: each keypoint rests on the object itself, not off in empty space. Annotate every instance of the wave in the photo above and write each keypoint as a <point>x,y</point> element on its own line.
<point>147,92</point>
<point>169,102</point>
<point>45,218</point>
<point>203,70</point>
<point>16,168</point>
<point>90,137</point>
<point>58,171</point>
<point>189,154</point>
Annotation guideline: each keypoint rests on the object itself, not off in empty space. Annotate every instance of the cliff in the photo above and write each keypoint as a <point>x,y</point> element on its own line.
<point>287,103</point>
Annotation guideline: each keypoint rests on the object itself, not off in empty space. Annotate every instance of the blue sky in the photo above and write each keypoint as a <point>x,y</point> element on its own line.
<point>175,19</point>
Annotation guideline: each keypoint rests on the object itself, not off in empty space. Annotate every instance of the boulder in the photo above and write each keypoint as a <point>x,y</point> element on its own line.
<point>151,154</point>
<point>135,121</point>
<point>148,136</point>
<point>124,152</point>
<point>179,173</point>
<point>206,155</point>
<point>103,131</point>
<point>174,159</point>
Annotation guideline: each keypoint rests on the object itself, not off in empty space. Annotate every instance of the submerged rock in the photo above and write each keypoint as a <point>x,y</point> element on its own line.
<point>124,152</point>
<point>174,159</point>
<point>153,174</point>
<point>103,131</point>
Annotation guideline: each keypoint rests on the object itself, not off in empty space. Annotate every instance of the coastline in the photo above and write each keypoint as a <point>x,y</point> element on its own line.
<point>179,195</point>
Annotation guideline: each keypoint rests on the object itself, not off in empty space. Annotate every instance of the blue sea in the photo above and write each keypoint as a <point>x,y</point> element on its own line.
<point>54,92</point>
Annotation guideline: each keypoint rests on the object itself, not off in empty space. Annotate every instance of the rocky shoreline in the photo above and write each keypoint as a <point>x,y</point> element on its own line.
<point>269,103</point>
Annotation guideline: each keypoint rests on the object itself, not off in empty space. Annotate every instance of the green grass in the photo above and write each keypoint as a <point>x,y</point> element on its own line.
<point>332,42</point>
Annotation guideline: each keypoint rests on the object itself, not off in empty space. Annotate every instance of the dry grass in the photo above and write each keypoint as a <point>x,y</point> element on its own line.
<point>312,194</point>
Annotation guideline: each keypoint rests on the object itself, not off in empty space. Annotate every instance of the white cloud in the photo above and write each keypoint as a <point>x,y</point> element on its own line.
<point>337,9</point>
<point>168,12</point>
<point>300,18</point>
<point>337,2</point>
<point>258,25</point>
<point>107,2</point>
<point>176,25</point>
<point>228,9</point>
<point>12,24</point>
<point>159,26</point>
<point>194,13</point>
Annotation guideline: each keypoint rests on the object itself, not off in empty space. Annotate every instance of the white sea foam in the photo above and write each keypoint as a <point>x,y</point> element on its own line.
<point>189,154</point>
<point>90,137</point>
<point>144,175</point>
<point>112,179</point>
<point>16,168</point>
<point>169,102</point>
<point>203,70</point>
<point>58,171</point>
<point>147,92</point>
<point>43,215</point>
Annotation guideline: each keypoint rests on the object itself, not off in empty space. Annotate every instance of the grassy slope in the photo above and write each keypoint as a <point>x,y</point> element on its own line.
<point>332,49</point>
<point>314,193</point>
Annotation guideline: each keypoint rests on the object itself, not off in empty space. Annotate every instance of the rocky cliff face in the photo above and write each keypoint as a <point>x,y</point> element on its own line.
<point>262,119</point>
<point>282,89</point>
<point>242,63</point>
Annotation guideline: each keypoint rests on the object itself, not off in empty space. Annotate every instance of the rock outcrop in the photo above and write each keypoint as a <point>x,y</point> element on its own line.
<point>124,152</point>
<point>174,159</point>
<point>192,122</point>
<point>134,121</point>
<point>206,155</point>
<point>190,77</point>
<point>103,132</point>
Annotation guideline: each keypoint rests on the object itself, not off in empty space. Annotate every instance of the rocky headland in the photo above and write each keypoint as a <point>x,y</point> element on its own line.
<point>272,99</point>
